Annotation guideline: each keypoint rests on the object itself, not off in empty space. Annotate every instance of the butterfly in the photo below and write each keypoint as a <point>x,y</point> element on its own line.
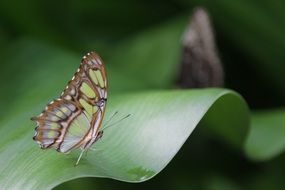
<point>74,119</point>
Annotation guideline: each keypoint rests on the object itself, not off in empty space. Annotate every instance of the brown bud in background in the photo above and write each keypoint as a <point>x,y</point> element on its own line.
<point>200,64</point>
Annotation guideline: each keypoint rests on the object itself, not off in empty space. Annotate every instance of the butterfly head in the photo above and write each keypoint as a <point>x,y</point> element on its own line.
<point>92,59</point>
<point>101,103</point>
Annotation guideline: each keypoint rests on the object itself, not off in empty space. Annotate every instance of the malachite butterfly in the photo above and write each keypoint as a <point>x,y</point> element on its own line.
<point>74,119</point>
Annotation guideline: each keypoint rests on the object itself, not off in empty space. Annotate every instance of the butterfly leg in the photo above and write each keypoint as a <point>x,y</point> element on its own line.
<point>79,158</point>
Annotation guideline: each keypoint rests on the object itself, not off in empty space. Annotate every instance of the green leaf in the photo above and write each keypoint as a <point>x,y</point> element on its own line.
<point>266,136</point>
<point>134,150</point>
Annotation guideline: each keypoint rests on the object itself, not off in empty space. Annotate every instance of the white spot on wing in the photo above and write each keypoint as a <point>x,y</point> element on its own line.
<point>67,97</point>
<point>72,91</point>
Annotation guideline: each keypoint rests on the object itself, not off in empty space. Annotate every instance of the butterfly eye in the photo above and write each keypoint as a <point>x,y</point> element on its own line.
<point>101,102</point>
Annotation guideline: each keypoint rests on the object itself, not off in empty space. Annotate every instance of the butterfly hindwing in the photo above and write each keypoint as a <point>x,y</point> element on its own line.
<point>75,118</point>
<point>51,122</point>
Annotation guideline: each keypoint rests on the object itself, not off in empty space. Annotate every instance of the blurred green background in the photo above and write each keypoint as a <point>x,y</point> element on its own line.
<point>251,42</point>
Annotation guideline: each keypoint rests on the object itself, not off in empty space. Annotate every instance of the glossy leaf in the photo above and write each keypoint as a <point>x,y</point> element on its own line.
<point>135,150</point>
<point>266,137</point>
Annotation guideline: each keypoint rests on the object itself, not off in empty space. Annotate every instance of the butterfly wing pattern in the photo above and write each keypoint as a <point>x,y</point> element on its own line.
<point>74,119</point>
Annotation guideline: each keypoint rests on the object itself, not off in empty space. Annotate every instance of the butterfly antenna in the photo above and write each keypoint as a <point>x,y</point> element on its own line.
<point>116,122</point>
<point>79,158</point>
<point>111,117</point>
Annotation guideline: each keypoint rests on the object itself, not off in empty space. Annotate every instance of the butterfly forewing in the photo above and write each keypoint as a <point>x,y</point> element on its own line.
<point>75,118</point>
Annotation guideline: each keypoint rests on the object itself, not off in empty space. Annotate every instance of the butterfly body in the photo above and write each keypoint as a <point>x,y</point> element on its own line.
<point>74,119</point>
